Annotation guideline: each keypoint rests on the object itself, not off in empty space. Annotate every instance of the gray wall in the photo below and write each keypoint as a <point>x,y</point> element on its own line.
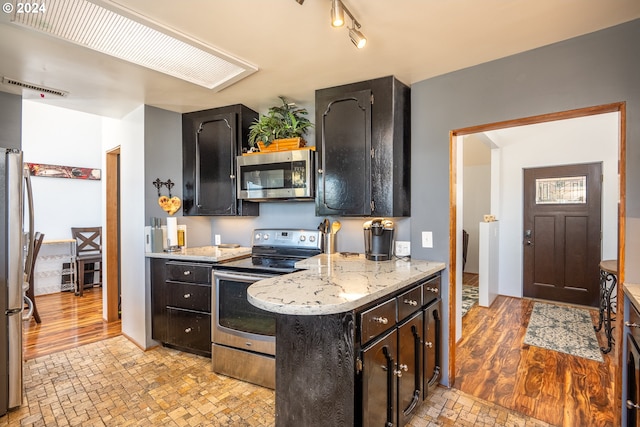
<point>595,69</point>
<point>10,120</point>
<point>163,160</point>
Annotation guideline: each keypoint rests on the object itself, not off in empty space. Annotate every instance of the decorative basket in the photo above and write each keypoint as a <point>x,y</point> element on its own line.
<point>282,145</point>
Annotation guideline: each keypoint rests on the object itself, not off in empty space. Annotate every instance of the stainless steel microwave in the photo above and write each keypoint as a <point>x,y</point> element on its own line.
<point>281,175</point>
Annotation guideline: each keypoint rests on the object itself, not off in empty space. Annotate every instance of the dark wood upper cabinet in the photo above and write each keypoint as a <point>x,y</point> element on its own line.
<point>211,140</point>
<point>363,139</point>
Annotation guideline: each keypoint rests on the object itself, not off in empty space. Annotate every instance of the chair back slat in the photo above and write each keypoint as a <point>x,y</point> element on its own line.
<point>88,240</point>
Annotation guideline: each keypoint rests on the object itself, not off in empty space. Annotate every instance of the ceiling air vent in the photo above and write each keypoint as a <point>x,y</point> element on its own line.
<point>31,86</point>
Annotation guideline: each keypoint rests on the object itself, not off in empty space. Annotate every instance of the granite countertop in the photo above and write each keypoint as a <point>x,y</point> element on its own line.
<point>204,253</point>
<point>331,284</point>
<point>632,290</point>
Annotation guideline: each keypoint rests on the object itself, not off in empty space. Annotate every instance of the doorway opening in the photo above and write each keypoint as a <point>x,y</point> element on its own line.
<point>455,243</point>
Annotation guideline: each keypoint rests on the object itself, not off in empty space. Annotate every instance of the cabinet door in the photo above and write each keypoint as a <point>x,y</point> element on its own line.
<point>344,171</point>
<point>158,300</point>
<point>214,174</point>
<point>409,367</point>
<point>432,318</point>
<point>379,397</point>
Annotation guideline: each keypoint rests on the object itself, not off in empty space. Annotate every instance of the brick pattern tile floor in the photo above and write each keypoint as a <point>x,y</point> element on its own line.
<point>114,383</point>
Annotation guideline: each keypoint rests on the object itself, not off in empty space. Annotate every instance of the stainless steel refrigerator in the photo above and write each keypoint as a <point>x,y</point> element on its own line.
<point>16,252</point>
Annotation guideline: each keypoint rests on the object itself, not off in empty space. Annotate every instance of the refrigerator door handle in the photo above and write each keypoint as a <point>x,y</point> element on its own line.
<point>29,260</point>
<point>27,316</point>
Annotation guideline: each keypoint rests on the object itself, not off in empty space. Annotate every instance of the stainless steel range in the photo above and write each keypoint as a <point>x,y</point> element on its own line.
<point>244,344</point>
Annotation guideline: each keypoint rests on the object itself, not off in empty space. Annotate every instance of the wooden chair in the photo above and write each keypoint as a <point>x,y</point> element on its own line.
<point>88,252</point>
<point>37,242</point>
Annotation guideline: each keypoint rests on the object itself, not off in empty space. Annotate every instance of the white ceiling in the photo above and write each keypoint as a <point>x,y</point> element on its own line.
<point>296,50</point>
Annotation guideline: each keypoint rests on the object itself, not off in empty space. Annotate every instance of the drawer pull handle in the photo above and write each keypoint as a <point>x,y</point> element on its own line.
<point>631,405</point>
<point>404,367</point>
<point>411,302</point>
<point>631,324</point>
<point>186,272</point>
<point>434,290</point>
<point>187,330</point>
<point>187,296</point>
<point>428,344</point>
<point>382,320</point>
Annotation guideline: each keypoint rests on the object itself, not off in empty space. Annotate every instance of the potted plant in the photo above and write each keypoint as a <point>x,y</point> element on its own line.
<point>282,122</point>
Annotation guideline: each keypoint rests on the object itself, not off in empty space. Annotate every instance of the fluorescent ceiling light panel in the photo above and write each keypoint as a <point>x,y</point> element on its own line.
<point>150,45</point>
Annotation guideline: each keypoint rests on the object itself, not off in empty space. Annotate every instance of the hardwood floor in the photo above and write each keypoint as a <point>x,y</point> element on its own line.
<point>67,321</point>
<point>493,364</point>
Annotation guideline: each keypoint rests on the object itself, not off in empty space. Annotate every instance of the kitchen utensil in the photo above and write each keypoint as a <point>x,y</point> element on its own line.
<point>325,225</point>
<point>335,227</point>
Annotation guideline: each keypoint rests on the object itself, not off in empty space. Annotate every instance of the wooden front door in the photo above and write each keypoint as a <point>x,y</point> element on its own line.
<point>562,233</point>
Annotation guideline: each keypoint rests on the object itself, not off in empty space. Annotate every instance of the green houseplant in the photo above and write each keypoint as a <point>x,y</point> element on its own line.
<point>281,122</point>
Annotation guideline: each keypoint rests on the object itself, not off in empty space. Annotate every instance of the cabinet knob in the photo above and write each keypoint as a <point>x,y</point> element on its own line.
<point>232,176</point>
<point>382,320</point>
<point>428,344</point>
<point>411,302</point>
<point>187,330</point>
<point>404,367</point>
<point>187,296</point>
<point>320,171</point>
<point>186,272</point>
<point>631,405</point>
<point>434,290</point>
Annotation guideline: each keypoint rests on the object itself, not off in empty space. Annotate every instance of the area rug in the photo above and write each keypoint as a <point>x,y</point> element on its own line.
<point>469,298</point>
<point>565,329</point>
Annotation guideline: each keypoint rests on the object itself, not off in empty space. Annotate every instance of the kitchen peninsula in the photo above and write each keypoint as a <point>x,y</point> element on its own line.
<point>344,327</point>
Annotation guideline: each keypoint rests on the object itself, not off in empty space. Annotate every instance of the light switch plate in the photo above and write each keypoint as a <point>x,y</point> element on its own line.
<point>216,240</point>
<point>427,239</point>
<point>403,248</point>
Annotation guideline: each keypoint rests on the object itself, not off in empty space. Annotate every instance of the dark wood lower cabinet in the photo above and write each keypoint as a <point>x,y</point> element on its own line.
<point>328,374</point>
<point>181,305</point>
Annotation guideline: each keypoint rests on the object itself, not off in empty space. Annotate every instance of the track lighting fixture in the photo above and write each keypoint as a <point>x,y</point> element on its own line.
<point>337,13</point>
<point>338,9</point>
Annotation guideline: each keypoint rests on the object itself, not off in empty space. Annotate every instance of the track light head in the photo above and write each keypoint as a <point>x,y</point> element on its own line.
<point>337,13</point>
<point>357,38</point>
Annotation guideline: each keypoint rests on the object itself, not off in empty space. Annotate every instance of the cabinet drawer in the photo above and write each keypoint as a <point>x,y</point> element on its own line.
<point>431,290</point>
<point>189,296</point>
<point>188,272</point>
<point>189,329</point>
<point>409,302</point>
<point>378,319</point>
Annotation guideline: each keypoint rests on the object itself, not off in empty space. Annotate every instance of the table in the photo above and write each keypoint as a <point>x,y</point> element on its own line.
<point>608,300</point>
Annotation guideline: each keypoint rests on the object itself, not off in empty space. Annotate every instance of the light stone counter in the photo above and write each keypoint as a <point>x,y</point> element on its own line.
<point>331,284</point>
<point>632,290</point>
<point>204,253</point>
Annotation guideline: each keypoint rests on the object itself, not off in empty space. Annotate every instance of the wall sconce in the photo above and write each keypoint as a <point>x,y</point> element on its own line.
<point>338,9</point>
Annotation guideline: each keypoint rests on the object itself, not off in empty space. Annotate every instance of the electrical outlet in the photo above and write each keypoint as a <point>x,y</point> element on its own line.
<point>403,248</point>
<point>427,239</point>
<point>217,240</point>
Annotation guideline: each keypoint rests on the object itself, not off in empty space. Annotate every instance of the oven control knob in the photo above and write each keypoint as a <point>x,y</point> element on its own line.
<point>312,238</point>
<point>265,236</point>
<point>257,236</point>
<point>303,238</point>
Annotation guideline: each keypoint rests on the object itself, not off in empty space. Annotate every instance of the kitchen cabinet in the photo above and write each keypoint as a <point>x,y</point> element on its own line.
<point>397,369</point>
<point>363,136</point>
<point>631,365</point>
<point>372,365</point>
<point>211,140</point>
<point>181,305</point>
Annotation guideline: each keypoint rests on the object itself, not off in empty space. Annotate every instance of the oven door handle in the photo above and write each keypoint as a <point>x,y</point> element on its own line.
<point>244,277</point>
